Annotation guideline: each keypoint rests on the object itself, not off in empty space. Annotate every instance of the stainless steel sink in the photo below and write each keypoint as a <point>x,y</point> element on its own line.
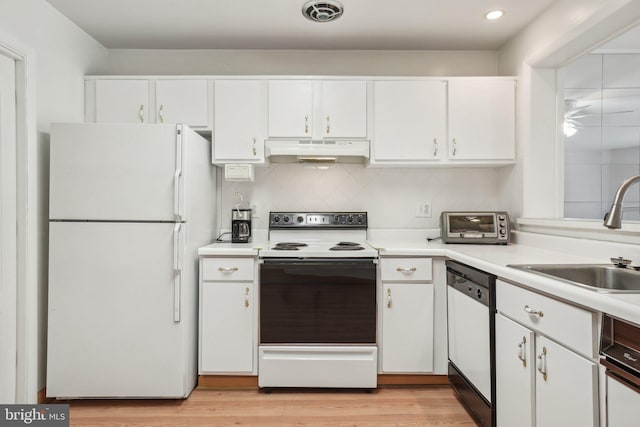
<point>601,278</point>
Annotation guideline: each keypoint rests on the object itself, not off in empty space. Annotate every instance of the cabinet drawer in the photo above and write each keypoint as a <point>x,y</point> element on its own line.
<point>570,325</point>
<point>227,269</point>
<point>413,269</point>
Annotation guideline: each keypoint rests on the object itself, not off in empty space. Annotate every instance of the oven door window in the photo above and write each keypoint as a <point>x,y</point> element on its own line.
<point>318,302</point>
<point>472,224</point>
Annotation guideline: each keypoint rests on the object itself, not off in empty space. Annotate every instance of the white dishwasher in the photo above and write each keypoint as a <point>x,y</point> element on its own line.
<point>471,311</point>
<point>620,351</point>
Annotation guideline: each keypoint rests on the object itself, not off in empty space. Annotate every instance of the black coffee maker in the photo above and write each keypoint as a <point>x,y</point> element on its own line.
<point>240,225</point>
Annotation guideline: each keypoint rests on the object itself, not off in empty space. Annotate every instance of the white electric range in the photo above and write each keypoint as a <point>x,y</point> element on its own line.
<point>318,302</point>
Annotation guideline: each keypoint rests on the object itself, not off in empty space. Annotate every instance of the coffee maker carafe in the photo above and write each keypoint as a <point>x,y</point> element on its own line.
<point>240,225</point>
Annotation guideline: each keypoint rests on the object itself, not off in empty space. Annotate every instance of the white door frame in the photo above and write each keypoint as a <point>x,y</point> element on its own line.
<point>28,304</point>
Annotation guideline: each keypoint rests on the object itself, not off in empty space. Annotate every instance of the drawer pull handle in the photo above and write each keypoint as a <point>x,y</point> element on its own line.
<point>246,297</point>
<point>522,351</point>
<point>542,363</point>
<point>388,297</point>
<point>227,269</point>
<point>533,312</point>
<point>406,270</point>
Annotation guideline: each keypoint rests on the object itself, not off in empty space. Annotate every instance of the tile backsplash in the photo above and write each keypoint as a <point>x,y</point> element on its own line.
<point>390,195</point>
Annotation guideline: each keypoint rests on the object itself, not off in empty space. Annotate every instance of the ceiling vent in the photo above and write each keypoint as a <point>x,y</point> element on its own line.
<point>322,11</point>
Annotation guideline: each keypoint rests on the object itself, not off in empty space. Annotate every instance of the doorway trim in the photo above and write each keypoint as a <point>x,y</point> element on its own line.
<point>27,304</point>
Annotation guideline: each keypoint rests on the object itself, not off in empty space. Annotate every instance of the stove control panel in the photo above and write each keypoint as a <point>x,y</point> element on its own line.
<point>357,220</point>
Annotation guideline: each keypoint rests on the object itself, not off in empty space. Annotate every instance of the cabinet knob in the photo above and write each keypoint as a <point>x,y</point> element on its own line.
<point>530,311</point>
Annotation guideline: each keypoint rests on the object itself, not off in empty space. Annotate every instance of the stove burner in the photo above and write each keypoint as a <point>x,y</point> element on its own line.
<point>288,246</point>
<point>347,246</point>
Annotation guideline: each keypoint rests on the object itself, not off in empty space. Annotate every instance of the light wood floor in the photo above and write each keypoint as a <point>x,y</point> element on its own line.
<point>426,406</point>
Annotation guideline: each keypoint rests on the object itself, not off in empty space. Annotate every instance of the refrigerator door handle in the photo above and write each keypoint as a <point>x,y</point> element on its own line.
<point>177,272</point>
<point>178,176</point>
<point>176,192</point>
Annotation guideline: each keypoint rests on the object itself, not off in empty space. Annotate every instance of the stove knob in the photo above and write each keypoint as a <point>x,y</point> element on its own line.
<point>336,219</point>
<point>286,219</point>
<point>300,219</point>
<point>350,219</point>
<point>276,218</point>
<point>360,219</point>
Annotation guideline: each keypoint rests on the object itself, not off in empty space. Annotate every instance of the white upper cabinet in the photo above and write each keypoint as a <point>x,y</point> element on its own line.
<point>240,121</point>
<point>290,108</point>
<point>122,101</point>
<point>182,101</point>
<point>409,121</point>
<point>343,109</point>
<point>313,109</point>
<point>144,100</point>
<point>481,119</point>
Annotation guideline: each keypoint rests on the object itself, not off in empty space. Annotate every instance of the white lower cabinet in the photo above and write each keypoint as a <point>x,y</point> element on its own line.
<point>515,374</point>
<point>407,327</point>
<point>406,305</point>
<point>539,381</point>
<point>227,318</point>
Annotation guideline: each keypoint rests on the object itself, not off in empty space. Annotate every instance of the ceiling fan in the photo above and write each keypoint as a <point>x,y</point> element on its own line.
<point>573,113</point>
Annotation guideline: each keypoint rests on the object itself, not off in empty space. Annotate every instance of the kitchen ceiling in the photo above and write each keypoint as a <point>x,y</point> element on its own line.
<point>279,24</point>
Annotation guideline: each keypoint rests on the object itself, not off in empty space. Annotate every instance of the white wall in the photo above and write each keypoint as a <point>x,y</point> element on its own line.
<point>389,195</point>
<point>301,62</point>
<point>563,32</point>
<point>58,55</point>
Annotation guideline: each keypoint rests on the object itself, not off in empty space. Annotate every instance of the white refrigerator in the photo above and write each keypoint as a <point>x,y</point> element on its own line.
<point>129,205</point>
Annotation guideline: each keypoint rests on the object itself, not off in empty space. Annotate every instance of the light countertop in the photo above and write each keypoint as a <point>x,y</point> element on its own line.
<point>232,249</point>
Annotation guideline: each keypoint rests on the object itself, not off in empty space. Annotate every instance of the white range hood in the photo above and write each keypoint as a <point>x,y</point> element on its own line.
<point>317,151</point>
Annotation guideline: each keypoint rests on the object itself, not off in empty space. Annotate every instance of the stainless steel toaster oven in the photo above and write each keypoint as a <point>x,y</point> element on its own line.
<point>475,227</point>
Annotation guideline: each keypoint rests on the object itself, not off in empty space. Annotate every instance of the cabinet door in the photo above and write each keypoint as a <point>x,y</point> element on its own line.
<point>566,387</point>
<point>122,101</point>
<point>343,113</point>
<point>290,108</point>
<point>515,367</point>
<point>481,119</point>
<point>407,327</point>
<point>226,328</point>
<point>409,120</point>
<point>240,121</point>
<point>182,101</point>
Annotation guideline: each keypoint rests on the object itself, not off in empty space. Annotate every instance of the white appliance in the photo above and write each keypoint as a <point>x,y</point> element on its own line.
<point>318,302</point>
<point>471,308</point>
<point>129,206</point>
<point>317,151</point>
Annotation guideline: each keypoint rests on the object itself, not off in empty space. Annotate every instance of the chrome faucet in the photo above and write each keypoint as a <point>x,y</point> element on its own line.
<point>613,219</point>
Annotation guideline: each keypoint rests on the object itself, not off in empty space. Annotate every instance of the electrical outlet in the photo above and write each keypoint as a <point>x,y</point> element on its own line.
<point>254,211</point>
<point>424,210</point>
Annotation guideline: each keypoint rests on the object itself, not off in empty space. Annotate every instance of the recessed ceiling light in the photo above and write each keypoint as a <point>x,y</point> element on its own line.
<point>492,15</point>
